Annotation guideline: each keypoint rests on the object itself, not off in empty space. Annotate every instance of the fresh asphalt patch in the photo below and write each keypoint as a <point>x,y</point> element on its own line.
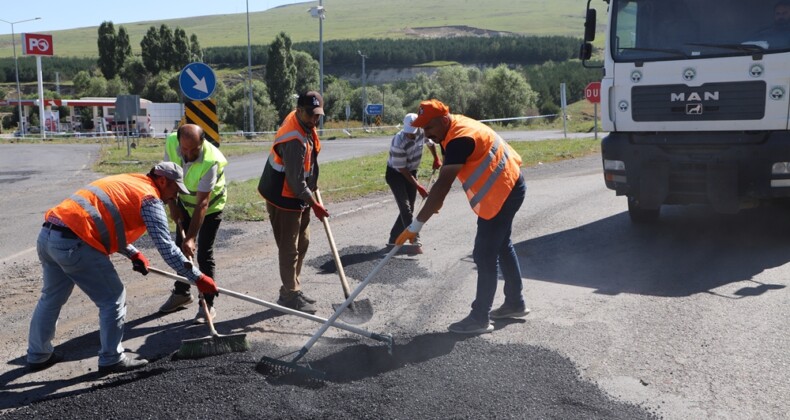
<point>359,261</point>
<point>435,375</point>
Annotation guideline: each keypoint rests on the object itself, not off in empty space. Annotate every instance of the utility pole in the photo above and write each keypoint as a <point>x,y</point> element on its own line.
<point>249,70</point>
<point>16,69</point>
<point>364,90</point>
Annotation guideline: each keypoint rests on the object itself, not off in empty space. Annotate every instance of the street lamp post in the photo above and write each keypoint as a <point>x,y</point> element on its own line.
<point>249,69</point>
<point>319,13</point>
<point>16,70</point>
<point>364,89</point>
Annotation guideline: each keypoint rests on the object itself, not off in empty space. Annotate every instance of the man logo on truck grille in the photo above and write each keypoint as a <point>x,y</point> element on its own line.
<point>693,109</point>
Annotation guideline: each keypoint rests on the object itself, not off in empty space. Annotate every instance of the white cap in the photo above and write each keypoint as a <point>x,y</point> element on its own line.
<point>407,121</point>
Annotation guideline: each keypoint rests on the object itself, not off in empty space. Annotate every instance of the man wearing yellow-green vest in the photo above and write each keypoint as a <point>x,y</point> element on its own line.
<point>198,214</point>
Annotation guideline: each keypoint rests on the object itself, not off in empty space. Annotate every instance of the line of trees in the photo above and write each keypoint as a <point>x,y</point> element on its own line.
<point>524,50</point>
<point>479,91</point>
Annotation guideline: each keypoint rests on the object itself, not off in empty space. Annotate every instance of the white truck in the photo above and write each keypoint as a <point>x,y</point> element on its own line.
<point>695,98</point>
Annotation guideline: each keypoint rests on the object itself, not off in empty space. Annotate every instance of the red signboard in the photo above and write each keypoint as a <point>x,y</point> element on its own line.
<point>37,44</point>
<point>593,92</point>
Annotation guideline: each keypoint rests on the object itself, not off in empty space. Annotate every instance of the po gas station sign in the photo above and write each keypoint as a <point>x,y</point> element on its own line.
<point>37,44</point>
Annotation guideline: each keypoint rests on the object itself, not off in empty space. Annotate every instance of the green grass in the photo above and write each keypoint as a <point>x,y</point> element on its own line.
<point>346,180</point>
<point>346,19</point>
<point>340,180</point>
<point>115,158</point>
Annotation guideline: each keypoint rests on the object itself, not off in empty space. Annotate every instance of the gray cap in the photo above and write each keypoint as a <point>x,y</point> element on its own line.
<point>172,172</point>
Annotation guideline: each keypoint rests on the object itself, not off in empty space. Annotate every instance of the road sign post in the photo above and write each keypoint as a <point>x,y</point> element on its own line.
<point>593,94</point>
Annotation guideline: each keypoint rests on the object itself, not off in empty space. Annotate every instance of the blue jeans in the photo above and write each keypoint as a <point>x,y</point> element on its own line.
<point>65,262</point>
<point>494,249</point>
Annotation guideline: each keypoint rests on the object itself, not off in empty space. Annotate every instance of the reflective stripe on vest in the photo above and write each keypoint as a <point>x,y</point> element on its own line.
<point>93,212</point>
<point>106,213</point>
<point>489,173</point>
<point>482,168</point>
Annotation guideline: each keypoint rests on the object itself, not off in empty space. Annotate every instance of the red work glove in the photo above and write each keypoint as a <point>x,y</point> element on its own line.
<point>140,263</point>
<point>423,192</point>
<point>320,211</point>
<point>206,285</point>
<point>410,233</point>
<point>436,163</point>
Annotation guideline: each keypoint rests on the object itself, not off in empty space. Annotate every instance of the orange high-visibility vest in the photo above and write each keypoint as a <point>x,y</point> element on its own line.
<point>106,213</point>
<point>273,186</point>
<point>492,169</point>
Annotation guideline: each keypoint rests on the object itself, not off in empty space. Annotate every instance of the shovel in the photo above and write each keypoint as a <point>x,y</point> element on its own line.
<point>360,311</point>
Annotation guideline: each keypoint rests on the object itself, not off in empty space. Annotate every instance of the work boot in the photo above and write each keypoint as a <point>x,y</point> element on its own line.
<point>55,357</point>
<point>509,311</point>
<point>200,318</point>
<point>125,365</point>
<point>297,302</point>
<point>175,302</point>
<point>470,325</point>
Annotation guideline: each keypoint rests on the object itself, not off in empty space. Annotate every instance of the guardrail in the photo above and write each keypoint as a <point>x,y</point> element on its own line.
<point>326,132</point>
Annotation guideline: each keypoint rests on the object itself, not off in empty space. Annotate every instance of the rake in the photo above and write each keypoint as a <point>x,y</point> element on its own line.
<point>384,338</point>
<point>283,367</point>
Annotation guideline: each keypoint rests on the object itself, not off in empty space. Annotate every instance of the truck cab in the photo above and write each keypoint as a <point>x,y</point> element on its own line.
<point>694,96</point>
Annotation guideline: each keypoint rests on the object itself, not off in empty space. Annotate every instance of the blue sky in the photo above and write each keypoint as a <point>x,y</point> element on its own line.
<point>68,14</point>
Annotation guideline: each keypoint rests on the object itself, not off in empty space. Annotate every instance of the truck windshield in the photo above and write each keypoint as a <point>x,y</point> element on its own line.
<point>652,30</point>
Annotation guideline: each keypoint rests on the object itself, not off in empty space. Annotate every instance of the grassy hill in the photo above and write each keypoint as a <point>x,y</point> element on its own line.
<point>345,19</point>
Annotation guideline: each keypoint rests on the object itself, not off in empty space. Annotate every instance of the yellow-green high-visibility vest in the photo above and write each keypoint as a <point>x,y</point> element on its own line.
<point>211,156</point>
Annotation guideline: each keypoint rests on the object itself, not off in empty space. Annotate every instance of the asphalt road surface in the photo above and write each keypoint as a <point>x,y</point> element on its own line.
<point>684,319</point>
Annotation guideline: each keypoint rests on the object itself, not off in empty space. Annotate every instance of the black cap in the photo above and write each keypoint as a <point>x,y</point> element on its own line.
<point>311,101</point>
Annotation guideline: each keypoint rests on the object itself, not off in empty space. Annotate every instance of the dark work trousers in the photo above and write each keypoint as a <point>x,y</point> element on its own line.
<point>405,193</point>
<point>205,247</point>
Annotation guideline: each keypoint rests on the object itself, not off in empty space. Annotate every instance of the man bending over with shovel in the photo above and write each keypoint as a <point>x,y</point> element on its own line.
<point>489,171</point>
<point>74,247</point>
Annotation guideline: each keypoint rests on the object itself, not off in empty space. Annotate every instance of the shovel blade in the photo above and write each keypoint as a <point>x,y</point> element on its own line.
<point>359,312</point>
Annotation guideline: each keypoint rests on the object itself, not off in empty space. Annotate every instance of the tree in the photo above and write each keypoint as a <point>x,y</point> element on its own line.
<point>506,94</point>
<point>307,72</point>
<point>108,59</point>
<point>160,88</point>
<point>81,81</point>
<point>151,50</point>
<point>167,49</point>
<point>194,47</point>
<point>455,89</point>
<point>183,53</point>
<point>337,93</point>
<point>281,75</point>
<point>135,75</point>
<point>238,107</point>
<point>123,48</point>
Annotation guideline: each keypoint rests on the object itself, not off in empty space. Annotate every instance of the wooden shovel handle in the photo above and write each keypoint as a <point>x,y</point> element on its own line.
<point>333,247</point>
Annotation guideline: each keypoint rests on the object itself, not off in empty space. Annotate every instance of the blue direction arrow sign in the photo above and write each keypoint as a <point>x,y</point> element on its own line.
<point>374,109</point>
<point>197,81</point>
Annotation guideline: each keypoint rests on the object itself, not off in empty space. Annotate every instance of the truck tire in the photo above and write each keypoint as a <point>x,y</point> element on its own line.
<point>641,215</point>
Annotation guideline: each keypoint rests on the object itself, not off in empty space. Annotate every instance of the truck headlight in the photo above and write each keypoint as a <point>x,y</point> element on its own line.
<point>781,168</point>
<point>613,165</point>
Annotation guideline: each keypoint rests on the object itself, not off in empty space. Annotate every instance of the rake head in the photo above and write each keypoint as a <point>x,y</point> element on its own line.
<point>281,368</point>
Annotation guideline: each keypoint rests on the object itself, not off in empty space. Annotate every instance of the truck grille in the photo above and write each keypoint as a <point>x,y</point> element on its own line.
<point>709,102</point>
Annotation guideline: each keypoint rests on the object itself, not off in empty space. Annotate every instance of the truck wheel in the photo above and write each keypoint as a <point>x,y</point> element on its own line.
<point>640,215</point>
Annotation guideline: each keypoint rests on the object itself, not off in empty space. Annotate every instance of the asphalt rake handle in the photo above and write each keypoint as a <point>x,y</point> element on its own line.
<point>293,365</point>
<point>384,338</point>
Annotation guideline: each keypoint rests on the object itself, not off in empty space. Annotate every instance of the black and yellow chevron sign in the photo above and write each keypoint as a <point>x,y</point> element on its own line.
<point>204,114</point>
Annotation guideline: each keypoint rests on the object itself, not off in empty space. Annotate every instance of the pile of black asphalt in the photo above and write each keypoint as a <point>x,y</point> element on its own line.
<point>435,375</point>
